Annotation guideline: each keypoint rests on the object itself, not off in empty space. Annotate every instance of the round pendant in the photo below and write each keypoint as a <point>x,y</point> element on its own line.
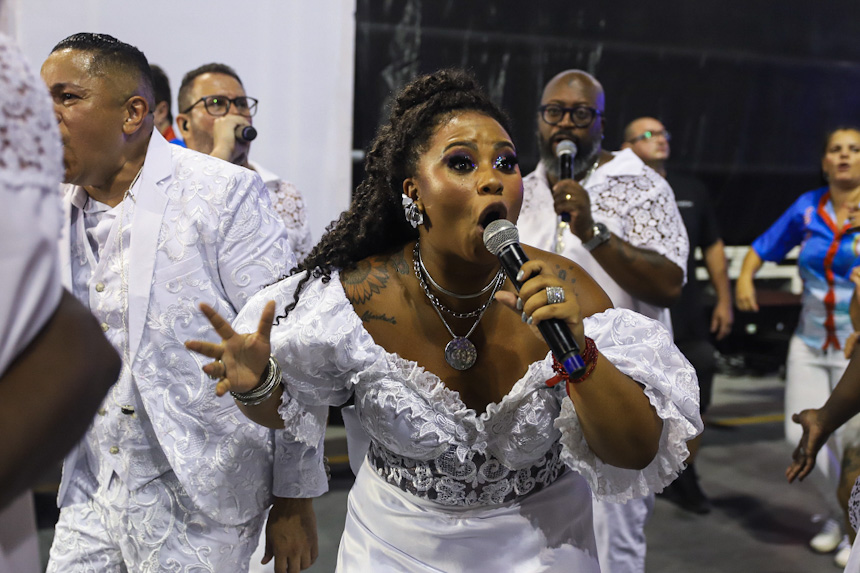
<point>460,353</point>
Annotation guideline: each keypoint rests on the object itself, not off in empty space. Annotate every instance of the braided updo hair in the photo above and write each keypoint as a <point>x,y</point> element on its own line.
<point>375,222</point>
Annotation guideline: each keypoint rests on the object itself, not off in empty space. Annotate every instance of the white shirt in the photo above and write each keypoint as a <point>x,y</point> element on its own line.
<point>290,206</point>
<point>634,203</point>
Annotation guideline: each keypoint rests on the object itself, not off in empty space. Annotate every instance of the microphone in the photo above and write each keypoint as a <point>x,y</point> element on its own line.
<point>502,239</point>
<point>565,151</point>
<point>245,133</point>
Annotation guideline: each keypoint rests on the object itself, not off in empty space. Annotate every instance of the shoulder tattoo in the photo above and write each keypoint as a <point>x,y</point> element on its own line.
<point>399,263</point>
<point>367,316</point>
<point>369,277</point>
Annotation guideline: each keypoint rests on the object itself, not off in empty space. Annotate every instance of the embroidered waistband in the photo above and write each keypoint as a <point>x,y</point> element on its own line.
<point>478,480</point>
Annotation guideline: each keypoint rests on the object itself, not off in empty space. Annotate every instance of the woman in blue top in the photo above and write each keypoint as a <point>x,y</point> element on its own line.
<point>823,222</point>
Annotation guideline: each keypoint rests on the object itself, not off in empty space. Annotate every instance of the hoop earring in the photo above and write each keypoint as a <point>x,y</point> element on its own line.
<point>413,215</point>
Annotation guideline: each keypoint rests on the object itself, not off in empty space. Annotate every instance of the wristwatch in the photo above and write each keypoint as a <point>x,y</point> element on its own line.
<point>601,235</point>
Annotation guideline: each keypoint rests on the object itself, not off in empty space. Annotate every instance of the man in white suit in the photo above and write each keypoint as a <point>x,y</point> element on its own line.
<point>168,476</point>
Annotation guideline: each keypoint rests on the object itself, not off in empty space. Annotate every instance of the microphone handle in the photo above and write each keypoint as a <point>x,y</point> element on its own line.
<point>565,171</point>
<point>555,331</point>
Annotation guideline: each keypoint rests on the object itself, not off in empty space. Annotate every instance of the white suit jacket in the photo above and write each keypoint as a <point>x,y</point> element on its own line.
<point>203,230</point>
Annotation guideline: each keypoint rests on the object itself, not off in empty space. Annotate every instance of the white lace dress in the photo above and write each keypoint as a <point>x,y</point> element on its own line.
<point>444,488</point>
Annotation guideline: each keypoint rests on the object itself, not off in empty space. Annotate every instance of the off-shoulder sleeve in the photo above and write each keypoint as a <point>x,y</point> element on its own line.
<point>321,346</point>
<point>642,349</point>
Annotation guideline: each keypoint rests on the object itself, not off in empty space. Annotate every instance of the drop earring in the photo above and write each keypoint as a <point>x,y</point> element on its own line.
<point>413,215</point>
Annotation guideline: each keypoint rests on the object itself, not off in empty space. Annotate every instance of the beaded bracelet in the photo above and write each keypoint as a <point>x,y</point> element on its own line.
<point>590,359</point>
<point>270,380</point>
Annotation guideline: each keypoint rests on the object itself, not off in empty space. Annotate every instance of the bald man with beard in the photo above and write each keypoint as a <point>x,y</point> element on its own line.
<point>617,219</point>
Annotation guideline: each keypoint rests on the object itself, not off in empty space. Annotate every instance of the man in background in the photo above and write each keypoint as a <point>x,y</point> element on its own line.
<point>617,219</point>
<point>163,113</point>
<point>648,139</point>
<point>214,114</point>
<point>168,475</point>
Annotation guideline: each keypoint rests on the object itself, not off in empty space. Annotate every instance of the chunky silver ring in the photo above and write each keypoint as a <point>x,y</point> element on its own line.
<point>554,295</point>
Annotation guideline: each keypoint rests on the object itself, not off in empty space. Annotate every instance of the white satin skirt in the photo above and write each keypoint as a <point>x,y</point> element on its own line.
<point>389,530</point>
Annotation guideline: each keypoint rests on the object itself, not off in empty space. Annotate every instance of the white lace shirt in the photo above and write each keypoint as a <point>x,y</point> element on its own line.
<point>634,203</point>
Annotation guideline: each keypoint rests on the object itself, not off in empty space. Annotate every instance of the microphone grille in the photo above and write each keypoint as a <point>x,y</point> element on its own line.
<point>499,234</point>
<point>565,147</point>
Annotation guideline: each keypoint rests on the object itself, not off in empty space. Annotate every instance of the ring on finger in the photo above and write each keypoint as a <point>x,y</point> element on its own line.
<point>554,295</point>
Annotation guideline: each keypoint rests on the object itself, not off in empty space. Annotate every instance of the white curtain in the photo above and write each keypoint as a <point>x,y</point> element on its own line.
<point>297,57</point>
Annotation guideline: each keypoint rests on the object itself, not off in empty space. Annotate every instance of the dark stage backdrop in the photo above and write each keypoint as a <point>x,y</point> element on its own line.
<point>746,88</point>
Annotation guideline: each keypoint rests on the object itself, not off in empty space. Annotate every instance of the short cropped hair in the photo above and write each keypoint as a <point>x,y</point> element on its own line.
<point>184,97</point>
<point>108,52</point>
<point>162,89</point>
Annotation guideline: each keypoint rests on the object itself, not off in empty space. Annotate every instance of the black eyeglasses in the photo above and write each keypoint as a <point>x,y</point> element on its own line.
<point>219,105</point>
<point>580,115</point>
<point>649,134</point>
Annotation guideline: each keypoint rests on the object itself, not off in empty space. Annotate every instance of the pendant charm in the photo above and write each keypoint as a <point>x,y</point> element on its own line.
<point>460,353</point>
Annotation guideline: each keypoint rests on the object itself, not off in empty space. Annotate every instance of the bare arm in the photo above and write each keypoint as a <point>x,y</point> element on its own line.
<point>744,288</point>
<point>617,419</point>
<point>49,394</point>
<point>644,274</point>
<point>715,261</point>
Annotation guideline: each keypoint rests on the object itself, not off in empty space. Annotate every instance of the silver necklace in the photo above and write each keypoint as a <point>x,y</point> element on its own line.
<point>439,287</point>
<point>460,353</point>
<point>563,225</point>
<point>420,271</point>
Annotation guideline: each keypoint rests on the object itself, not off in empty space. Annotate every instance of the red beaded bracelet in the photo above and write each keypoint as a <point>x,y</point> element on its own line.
<point>590,358</point>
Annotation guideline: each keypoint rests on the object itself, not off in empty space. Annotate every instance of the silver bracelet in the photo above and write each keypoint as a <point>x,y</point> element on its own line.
<point>271,380</point>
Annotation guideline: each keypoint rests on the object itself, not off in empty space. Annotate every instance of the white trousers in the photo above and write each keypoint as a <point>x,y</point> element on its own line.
<point>619,529</point>
<point>811,375</point>
<point>156,528</point>
<point>19,545</point>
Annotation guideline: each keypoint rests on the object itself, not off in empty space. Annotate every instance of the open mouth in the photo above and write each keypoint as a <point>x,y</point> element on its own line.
<point>492,213</point>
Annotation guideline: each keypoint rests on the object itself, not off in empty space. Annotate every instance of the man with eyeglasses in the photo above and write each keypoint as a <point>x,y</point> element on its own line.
<point>649,139</point>
<point>168,476</point>
<point>214,107</point>
<point>617,219</point>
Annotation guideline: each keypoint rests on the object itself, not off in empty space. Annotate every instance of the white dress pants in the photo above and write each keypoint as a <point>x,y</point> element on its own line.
<point>156,528</point>
<point>619,529</point>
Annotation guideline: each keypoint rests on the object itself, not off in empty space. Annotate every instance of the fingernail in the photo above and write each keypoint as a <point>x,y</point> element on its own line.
<point>519,303</point>
<point>529,321</point>
<point>525,318</point>
<point>520,275</point>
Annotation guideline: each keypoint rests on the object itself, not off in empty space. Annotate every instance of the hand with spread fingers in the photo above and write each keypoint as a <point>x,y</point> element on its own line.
<point>571,198</point>
<point>240,359</point>
<point>815,435</point>
<point>544,296</point>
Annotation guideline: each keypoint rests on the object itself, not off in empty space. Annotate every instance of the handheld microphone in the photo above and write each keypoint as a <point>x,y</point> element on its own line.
<point>502,239</point>
<point>245,133</point>
<point>566,152</point>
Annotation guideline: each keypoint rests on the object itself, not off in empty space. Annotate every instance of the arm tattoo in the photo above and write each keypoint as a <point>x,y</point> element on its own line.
<point>368,278</point>
<point>368,316</point>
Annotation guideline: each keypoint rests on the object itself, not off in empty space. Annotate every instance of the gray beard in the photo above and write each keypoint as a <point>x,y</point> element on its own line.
<point>581,163</point>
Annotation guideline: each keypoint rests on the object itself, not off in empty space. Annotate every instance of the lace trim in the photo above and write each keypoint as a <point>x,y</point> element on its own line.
<point>479,480</point>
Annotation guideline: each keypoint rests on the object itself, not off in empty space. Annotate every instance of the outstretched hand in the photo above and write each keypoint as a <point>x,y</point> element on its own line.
<point>814,437</point>
<point>240,359</point>
<point>532,301</point>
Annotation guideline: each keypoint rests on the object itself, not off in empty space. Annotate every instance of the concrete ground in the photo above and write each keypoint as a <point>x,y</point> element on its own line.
<point>759,524</point>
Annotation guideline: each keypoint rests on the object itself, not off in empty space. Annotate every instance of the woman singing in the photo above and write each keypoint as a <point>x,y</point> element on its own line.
<point>482,456</point>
